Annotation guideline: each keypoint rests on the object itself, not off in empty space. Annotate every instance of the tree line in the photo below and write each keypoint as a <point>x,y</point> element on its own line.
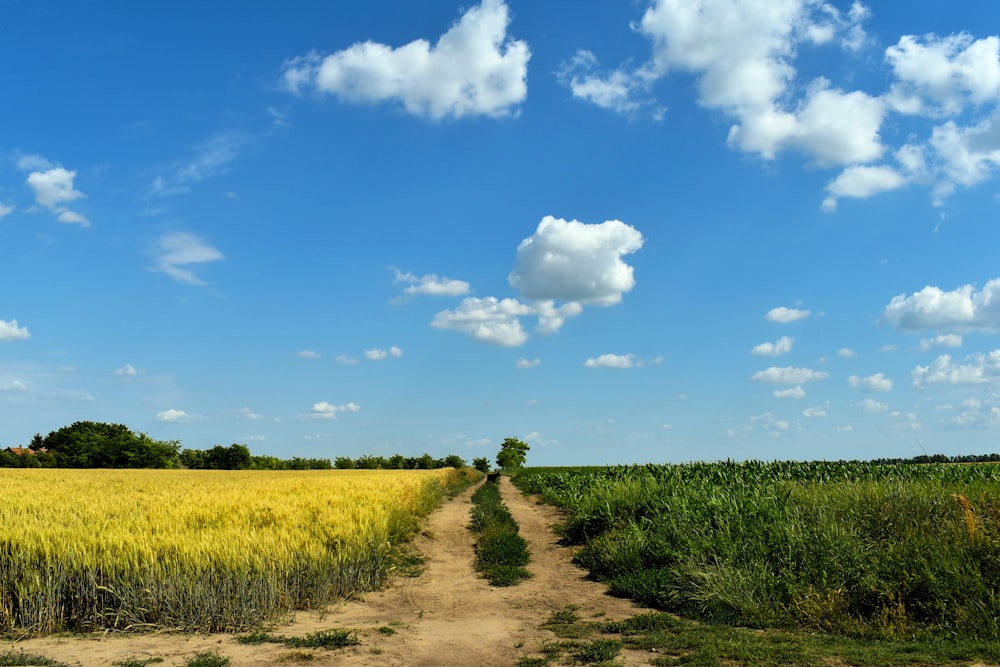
<point>87,444</point>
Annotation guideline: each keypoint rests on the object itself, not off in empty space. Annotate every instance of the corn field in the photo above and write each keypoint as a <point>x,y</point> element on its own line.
<point>197,550</point>
<point>880,550</point>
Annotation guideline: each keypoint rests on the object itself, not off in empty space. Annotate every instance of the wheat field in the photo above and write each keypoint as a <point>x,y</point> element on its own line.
<point>197,550</point>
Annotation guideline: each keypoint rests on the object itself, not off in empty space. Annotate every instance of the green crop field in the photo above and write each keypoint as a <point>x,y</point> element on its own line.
<point>866,549</point>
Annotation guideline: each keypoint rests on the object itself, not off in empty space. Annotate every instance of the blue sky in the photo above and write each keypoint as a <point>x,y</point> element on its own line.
<point>662,230</point>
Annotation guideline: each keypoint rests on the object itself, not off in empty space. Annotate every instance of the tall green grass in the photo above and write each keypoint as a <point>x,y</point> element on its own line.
<point>875,550</point>
<point>501,552</point>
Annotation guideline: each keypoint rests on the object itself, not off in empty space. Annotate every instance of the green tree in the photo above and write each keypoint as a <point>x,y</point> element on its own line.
<point>482,464</point>
<point>454,461</point>
<point>512,454</point>
<point>87,444</point>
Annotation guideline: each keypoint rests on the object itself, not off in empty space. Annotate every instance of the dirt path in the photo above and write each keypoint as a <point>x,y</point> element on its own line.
<point>447,617</point>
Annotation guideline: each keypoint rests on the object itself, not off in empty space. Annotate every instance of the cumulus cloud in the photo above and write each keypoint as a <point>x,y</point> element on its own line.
<point>943,340</point>
<point>939,76</point>
<point>861,182</point>
<point>794,392</point>
<point>307,354</point>
<point>377,354</point>
<point>6,210</point>
<point>611,361</point>
<point>742,54</point>
<point>962,309</point>
<point>173,416</point>
<point>53,187</point>
<point>619,90</point>
<point>814,412</point>
<point>967,155</point>
<point>977,369</point>
<point>781,346</point>
<point>10,331</point>
<point>345,359</point>
<point>784,315</point>
<point>431,284</point>
<point>178,250</point>
<point>13,385</point>
<point>846,353</point>
<point>871,406</point>
<point>575,261</point>
<point>528,363</point>
<point>489,320</point>
<point>770,424</point>
<point>475,68</point>
<point>128,370</point>
<point>788,375</point>
<point>878,382</point>
<point>324,410</point>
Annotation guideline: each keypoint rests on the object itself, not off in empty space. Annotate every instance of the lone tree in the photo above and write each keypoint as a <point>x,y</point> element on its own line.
<point>512,454</point>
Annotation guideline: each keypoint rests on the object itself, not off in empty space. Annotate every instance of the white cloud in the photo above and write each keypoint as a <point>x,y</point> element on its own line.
<point>844,429</point>
<point>939,76</point>
<point>967,155</point>
<point>785,315</point>
<point>978,369</point>
<point>53,187</point>
<point>846,353</point>
<point>177,250</point>
<point>324,410</point>
<point>794,392</point>
<point>13,385</point>
<point>771,424</point>
<point>6,210</point>
<point>814,412</point>
<point>618,90</point>
<point>528,363</point>
<point>861,182</point>
<point>741,53</point>
<point>173,416</point>
<point>345,359</point>
<point>128,370</point>
<point>781,346</point>
<point>871,406</point>
<point>377,354</point>
<point>474,69</point>
<point>962,309</point>
<point>788,375</point>
<point>577,262</point>
<point>943,340</point>
<point>432,284</point>
<point>489,320</point>
<point>211,158</point>
<point>611,361</point>
<point>307,354</point>
<point>10,331</point>
<point>878,382</point>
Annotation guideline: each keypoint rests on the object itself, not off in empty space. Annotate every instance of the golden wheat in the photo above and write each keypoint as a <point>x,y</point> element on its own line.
<point>196,550</point>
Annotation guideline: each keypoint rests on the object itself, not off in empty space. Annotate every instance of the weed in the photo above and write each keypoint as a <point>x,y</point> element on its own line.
<point>137,662</point>
<point>207,659</point>
<point>296,656</point>
<point>12,659</point>
<point>386,630</point>
<point>328,639</point>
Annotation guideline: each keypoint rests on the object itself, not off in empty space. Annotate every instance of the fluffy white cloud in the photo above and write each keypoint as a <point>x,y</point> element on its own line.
<point>574,261</point>
<point>13,385</point>
<point>770,424</point>
<point>53,187</point>
<point>11,331</point>
<point>814,412</point>
<point>962,309</point>
<point>345,359</point>
<point>939,76</point>
<point>878,382</point>
<point>943,340</point>
<point>528,363</point>
<point>432,284</point>
<point>846,353</point>
<point>489,320</point>
<point>6,210</point>
<point>173,416</point>
<point>474,69</point>
<point>308,354</point>
<point>128,370</point>
<point>781,346</point>
<point>324,410</point>
<point>611,361</point>
<point>978,369</point>
<point>377,354</point>
<point>871,406</point>
<point>794,392</point>
<point>967,155</point>
<point>784,315</point>
<point>788,375</point>
<point>178,250</point>
<point>861,182</point>
<point>741,52</point>
<point>619,90</point>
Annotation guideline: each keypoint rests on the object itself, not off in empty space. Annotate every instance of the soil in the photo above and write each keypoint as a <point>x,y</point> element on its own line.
<point>445,617</point>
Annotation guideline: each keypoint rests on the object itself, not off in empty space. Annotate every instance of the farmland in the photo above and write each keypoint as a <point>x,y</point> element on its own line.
<point>197,550</point>
<point>877,550</point>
